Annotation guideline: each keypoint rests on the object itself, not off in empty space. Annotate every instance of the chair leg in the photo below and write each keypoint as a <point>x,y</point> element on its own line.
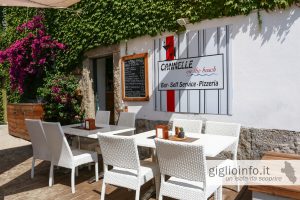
<point>160,197</point>
<point>103,190</point>
<point>137,194</point>
<point>32,168</point>
<point>51,176</point>
<point>218,193</point>
<point>157,186</point>
<point>237,181</point>
<point>96,172</point>
<point>73,180</point>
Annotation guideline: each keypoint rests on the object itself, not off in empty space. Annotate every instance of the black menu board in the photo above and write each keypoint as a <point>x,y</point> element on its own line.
<point>135,77</point>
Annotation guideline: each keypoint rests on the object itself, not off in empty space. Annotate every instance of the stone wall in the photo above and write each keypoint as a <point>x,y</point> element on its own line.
<point>86,86</point>
<point>252,144</point>
<point>86,82</point>
<point>117,82</point>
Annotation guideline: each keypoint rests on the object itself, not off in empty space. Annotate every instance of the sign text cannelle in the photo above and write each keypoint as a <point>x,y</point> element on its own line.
<point>192,73</point>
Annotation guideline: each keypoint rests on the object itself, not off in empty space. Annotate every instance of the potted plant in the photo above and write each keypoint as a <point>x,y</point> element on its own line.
<point>28,59</point>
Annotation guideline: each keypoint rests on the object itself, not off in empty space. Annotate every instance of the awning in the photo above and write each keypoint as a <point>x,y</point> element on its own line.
<point>39,3</point>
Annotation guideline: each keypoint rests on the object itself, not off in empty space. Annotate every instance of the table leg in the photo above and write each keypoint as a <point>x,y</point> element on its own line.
<point>93,179</point>
<point>153,155</point>
<point>78,140</point>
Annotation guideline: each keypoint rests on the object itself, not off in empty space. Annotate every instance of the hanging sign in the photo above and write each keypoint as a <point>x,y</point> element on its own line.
<point>198,73</point>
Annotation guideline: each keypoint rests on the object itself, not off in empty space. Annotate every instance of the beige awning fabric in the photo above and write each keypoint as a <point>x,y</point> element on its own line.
<point>39,3</point>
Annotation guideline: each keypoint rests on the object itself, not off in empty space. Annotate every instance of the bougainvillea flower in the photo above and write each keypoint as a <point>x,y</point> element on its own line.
<point>31,55</point>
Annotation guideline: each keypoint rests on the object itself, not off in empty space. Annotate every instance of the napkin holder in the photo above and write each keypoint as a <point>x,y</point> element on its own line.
<point>90,124</point>
<point>162,131</point>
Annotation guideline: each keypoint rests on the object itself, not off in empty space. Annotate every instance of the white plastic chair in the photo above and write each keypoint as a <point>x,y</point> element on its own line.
<point>39,142</point>
<point>190,126</point>
<point>63,156</point>
<point>185,163</point>
<point>127,119</point>
<point>102,117</point>
<point>226,129</point>
<point>121,153</point>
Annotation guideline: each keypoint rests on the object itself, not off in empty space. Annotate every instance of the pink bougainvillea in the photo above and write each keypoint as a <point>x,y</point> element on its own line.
<point>29,56</point>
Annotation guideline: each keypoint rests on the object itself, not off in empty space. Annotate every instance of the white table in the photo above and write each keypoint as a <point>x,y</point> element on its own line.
<point>108,129</point>
<point>213,144</point>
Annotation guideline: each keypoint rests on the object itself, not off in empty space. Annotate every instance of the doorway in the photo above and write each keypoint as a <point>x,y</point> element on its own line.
<point>103,84</point>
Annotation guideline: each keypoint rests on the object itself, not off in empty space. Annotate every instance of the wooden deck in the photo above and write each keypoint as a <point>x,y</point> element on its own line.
<point>15,182</point>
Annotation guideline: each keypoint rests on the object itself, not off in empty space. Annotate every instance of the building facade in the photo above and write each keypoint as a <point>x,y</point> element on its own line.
<point>259,87</point>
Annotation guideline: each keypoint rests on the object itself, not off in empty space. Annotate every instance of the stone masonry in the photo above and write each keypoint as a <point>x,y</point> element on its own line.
<point>252,144</point>
<point>86,86</point>
<point>86,82</point>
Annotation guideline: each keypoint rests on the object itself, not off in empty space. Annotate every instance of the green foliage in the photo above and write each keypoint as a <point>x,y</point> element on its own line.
<point>91,23</point>
<point>62,98</point>
<point>2,75</point>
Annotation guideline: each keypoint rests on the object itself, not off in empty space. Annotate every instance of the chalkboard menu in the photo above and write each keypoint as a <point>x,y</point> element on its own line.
<point>135,77</point>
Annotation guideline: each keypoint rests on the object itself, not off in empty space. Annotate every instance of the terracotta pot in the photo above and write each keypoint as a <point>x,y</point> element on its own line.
<point>16,115</point>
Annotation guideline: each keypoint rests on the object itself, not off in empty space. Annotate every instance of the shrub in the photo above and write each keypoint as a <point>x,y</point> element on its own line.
<point>30,56</point>
<point>62,97</point>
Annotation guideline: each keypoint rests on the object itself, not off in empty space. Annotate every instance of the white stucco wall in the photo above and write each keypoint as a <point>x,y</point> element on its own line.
<point>266,71</point>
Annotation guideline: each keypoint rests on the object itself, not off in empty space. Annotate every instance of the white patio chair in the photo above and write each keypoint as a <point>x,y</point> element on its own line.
<point>190,126</point>
<point>102,117</point>
<point>121,153</point>
<point>63,155</point>
<point>39,142</point>
<point>226,129</point>
<point>185,164</point>
<point>127,119</point>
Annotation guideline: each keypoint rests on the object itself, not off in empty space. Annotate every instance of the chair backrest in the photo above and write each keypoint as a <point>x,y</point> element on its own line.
<point>119,151</point>
<point>127,119</point>
<point>190,126</point>
<point>102,117</point>
<point>181,160</point>
<point>226,129</point>
<point>60,149</point>
<point>38,139</point>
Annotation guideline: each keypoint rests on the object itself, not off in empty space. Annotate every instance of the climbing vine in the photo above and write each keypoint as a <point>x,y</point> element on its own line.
<point>92,23</point>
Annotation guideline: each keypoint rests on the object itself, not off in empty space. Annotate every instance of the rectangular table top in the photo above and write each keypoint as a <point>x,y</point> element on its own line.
<point>101,128</point>
<point>213,144</point>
